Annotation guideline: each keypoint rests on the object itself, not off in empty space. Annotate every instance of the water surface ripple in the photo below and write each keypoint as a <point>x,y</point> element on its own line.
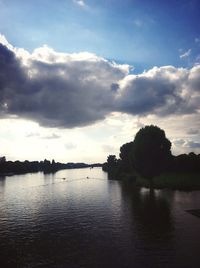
<point>49,221</point>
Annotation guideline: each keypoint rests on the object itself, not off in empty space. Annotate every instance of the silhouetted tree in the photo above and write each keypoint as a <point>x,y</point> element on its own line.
<point>151,152</point>
<point>125,156</point>
<point>2,159</point>
<point>111,166</point>
<point>112,160</point>
<point>18,167</point>
<point>186,163</point>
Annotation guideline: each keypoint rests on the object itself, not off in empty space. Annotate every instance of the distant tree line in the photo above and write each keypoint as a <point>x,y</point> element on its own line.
<point>149,155</point>
<point>20,167</point>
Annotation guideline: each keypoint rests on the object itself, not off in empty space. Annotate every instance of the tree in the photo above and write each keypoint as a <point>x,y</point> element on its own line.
<point>151,152</point>
<point>2,159</point>
<point>112,161</point>
<point>111,166</point>
<point>125,156</point>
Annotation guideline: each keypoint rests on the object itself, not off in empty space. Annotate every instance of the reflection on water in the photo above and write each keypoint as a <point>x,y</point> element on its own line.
<point>2,182</point>
<point>152,221</point>
<point>78,218</point>
<point>151,211</point>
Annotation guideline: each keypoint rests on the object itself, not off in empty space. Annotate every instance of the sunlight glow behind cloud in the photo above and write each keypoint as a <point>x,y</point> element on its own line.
<point>63,92</point>
<point>74,90</point>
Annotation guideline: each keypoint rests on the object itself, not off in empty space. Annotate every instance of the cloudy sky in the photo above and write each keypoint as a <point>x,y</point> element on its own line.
<point>80,78</point>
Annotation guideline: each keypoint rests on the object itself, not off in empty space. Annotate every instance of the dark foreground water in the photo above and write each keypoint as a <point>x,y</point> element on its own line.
<point>46,221</point>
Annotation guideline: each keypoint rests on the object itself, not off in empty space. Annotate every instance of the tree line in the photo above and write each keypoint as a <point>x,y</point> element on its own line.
<point>149,155</point>
<point>20,167</point>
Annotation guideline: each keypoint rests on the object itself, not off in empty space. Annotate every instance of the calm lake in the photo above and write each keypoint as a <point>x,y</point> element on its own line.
<point>49,221</point>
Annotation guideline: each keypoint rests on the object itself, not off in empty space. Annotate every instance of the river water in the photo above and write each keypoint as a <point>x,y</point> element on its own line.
<point>86,220</point>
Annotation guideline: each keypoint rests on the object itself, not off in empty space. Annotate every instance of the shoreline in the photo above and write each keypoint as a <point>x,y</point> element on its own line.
<point>169,181</point>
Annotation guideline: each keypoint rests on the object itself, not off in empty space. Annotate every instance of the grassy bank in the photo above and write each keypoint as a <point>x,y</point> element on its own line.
<point>175,181</point>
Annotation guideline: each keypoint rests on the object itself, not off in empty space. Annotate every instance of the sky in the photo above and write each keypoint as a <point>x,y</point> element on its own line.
<point>79,78</point>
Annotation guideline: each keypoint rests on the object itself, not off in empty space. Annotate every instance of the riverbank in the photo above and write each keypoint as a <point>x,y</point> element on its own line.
<point>174,181</point>
<point>9,168</point>
<point>169,180</point>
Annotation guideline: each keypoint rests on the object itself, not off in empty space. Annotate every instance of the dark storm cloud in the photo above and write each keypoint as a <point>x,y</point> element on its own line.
<point>69,93</point>
<point>12,78</point>
<point>73,90</point>
<point>161,91</point>
<point>143,95</point>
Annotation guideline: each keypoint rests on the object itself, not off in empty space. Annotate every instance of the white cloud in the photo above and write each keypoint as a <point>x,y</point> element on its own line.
<point>58,89</point>
<point>186,145</point>
<point>192,144</point>
<point>161,90</point>
<point>5,42</point>
<point>32,134</point>
<point>186,54</point>
<point>80,3</point>
<point>68,91</point>
<point>78,89</point>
